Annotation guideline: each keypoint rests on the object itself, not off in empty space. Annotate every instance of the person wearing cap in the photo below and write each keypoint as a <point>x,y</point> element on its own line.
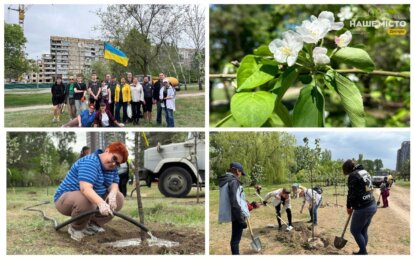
<point>92,183</point>
<point>233,205</point>
<point>167,95</point>
<point>280,197</point>
<point>84,119</point>
<point>58,98</point>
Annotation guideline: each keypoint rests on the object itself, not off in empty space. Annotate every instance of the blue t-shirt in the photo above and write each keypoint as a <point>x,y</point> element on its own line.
<point>87,120</point>
<point>88,169</point>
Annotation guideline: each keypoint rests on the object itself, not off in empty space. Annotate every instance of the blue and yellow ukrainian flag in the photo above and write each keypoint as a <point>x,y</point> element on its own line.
<point>115,54</point>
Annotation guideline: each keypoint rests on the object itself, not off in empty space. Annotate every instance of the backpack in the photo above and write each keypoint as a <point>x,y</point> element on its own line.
<point>318,189</point>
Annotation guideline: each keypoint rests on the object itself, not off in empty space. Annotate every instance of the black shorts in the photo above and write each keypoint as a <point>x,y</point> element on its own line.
<point>56,100</point>
<point>148,105</point>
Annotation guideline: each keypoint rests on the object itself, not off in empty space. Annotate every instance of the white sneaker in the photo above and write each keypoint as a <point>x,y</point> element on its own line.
<point>54,119</point>
<point>94,228</point>
<point>76,235</point>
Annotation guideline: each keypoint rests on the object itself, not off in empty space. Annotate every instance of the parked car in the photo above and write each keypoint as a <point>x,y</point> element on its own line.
<point>377,180</point>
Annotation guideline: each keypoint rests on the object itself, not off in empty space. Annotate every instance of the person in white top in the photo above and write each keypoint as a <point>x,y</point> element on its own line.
<point>280,197</point>
<point>137,95</point>
<point>167,96</point>
<point>314,199</point>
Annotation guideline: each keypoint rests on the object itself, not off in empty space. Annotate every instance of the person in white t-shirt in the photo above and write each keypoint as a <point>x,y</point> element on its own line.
<point>314,199</point>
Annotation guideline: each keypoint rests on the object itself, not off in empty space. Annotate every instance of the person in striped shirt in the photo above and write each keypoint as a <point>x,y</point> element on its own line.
<point>92,182</point>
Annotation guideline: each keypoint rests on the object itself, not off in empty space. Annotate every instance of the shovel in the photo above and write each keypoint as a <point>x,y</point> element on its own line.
<point>379,202</point>
<point>256,244</point>
<point>288,228</point>
<point>340,242</point>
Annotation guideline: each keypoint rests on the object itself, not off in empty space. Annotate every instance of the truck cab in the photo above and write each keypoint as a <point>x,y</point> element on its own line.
<point>177,167</point>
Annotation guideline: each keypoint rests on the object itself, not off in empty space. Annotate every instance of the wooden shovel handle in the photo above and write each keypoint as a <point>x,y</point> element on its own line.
<point>346,225</point>
<point>250,228</point>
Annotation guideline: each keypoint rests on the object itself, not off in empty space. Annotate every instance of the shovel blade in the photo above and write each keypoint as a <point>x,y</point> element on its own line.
<point>340,242</point>
<point>256,244</point>
<point>289,228</point>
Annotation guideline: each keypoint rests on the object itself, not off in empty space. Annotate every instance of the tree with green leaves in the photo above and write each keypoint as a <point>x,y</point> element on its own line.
<point>15,62</point>
<point>333,70</point>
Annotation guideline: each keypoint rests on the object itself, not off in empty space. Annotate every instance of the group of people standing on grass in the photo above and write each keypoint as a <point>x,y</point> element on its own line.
<point>361,205</point>
<point>100,103</point>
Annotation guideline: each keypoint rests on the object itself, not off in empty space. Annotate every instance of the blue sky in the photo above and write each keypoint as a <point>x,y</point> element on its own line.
<point>349,144</point>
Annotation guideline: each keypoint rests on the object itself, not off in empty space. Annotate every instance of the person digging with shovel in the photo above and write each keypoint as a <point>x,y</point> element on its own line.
<point>315,200</point>
<point>233,206</point>
<point>91,183</point>
<point>360,203</point>
<point>280,197</point>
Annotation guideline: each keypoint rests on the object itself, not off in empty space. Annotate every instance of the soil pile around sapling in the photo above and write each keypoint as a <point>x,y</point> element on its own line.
<point>190,241</point>
<point>301,234</point>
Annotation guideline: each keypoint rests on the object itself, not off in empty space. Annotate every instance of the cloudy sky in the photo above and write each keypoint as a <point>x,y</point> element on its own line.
<point>43,21</point>
<point>349,144</point>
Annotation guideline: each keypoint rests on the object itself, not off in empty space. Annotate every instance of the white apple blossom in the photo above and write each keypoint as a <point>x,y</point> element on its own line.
<point>320,57</point>
<point>353,77</point>
<point>344,39</point>
<point>345,13</point>
<point>329,16</point>
<point>313,31</point>
<point>286,50</point>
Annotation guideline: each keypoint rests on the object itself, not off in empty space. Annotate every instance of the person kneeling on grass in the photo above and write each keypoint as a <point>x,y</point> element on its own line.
<point>91,181</point>
<point>280,197</point>
<point>84,119</point>
<point>104,118</point>
<point>315,200</point>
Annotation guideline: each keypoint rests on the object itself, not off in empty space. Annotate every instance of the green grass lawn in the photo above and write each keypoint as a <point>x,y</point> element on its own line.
<point>18,100</point>
<point>189,113</point>
<point>402,183</point>
<point>29,233</point>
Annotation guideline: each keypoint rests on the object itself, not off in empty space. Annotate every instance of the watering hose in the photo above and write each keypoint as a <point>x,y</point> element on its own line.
<point>82,215</point>
<point>30,208</point>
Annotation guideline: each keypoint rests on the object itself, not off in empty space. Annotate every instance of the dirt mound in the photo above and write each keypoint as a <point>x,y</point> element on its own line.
<point>190,242</point>
<point>301,237</point>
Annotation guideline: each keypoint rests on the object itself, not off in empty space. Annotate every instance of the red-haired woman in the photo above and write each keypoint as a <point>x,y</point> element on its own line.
<point>91,181</point>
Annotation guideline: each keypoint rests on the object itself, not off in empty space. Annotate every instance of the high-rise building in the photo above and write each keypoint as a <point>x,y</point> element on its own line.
<point>101,140</point>
<point>68,56</point>
<point>403,154</point>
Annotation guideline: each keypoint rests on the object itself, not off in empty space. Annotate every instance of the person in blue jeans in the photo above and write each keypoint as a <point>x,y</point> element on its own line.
<point>232,204</point>
<point>314,199</point>
<point>360,203</point>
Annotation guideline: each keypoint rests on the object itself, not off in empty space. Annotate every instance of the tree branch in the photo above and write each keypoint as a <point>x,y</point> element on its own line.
<point>376,72</point>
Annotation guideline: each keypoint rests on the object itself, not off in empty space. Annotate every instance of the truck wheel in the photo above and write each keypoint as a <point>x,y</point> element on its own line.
<point>175,182</point>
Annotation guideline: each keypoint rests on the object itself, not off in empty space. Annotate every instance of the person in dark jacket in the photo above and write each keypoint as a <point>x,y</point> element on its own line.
<point>385,192</point>
<point>233,206</point>
<point>58,98</point>
<point>156,97</point>
<point>360,203</point>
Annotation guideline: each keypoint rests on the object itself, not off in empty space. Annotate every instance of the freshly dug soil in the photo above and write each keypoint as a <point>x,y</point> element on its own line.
<point>190,242</point>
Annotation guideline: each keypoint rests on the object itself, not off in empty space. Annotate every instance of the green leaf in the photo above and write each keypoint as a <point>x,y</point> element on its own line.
<point>309,108</point>
<point>262,51</point>
<point>283,114</point>
<point>255,71</point>
<point>355,57</point>
<point>275,121</point>
<point>252,109</point>
<point>351,98</point>
<point>229,121</point>
<point>285,81</point>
